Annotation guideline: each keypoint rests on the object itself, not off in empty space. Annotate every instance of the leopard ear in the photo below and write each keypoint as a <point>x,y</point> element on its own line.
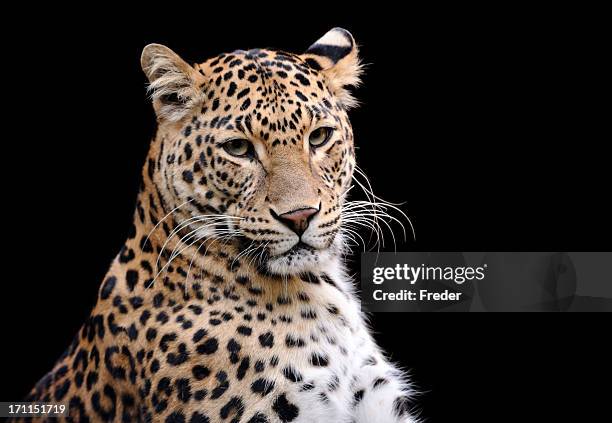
<point>335,54</point>
<point>174,86</point>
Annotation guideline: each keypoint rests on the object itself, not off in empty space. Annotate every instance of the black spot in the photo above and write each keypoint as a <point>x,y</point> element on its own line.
<point>301,96</point>
<point>358,396</point>
<point>292,374</point>
<point>158,300</point>
<point>187,176</point>
<point>151,334</point>
<point>379,382</point>
<point>286,411</point>
<point>244,330</point>
<point>233,405</point>
<point>245,104</point>
<point>162,317</point>
<point>117,372</point>
<point>62,371</point>
<point>262,386</point>
<point>136,302</point>
<point>328,280</point>
<point>180,357</point>
<point>163,343</point>
<point>197,310</point>
<point>76,406</point>
<point>332,309</point>
<point>197,337</point>
<point>175,417</point>
<point>164,386</point>
<point>219,390</point>
<point>78,379</point>
<point>107,287</point>
<point>91,379</point>
<point>144,317</point>
<point>60,391</point>
<point>309,314</point>
<point>310,278</point>
<point>243,368</point>
<point>232,89</point>
<point>303,80</point>
<point>145,245</point>
<point>199,395</point>
<point>161,406</point>
<point>126,255</point>
<point>151,168</point>
<point>200,372</point>
<point>107,414</point>
<point>258,418</point>
<point>283,300</point>
<point>319,360</point>
<point>233,346</point>
<point>209,346</point>
<point>183,389</point>
<point>307,387</point>
<point>198,418</point>
<point>313,63</point>
<point>266,340</point>
<point>221,376</point>
<point>293,342</point>
<point>188,151</point>
<point>243,93</point>
<point>131,277</point>
<point>132,332</point>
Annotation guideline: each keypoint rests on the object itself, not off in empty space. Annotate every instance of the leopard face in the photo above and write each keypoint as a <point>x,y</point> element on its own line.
<point>257,148</point>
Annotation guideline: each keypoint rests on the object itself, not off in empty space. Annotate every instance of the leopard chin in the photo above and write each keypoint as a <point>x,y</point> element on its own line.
<point>300,259</point>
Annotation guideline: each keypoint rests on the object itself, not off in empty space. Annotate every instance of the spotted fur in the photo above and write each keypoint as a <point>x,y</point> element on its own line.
<point>215,310</point>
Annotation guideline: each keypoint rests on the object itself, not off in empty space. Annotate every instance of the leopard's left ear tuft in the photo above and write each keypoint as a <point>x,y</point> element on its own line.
<point>336,55</point>
<point>175,86</point>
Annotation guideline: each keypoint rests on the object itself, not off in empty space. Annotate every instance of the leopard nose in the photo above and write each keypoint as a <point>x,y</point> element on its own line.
<point>296,220</point>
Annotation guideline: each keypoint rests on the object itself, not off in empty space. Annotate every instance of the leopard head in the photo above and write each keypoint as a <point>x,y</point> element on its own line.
<point>256,147</point>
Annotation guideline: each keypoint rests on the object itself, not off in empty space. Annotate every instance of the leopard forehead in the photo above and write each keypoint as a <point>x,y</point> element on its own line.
<point>272,95</point>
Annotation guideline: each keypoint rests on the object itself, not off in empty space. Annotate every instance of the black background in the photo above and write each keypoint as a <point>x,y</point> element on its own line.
<point>485,123</point>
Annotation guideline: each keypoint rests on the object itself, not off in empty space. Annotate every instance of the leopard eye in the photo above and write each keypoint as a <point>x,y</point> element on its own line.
<point>320,136</point>
<point>238,147</point>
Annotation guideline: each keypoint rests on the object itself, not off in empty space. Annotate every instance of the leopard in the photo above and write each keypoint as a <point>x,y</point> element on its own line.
<point>230,300</point>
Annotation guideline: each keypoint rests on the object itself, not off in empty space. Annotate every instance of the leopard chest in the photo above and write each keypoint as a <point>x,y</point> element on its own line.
<point>295,351</point>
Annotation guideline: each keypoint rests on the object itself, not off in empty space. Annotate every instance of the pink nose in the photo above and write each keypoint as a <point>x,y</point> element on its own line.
<point>297,220</point>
